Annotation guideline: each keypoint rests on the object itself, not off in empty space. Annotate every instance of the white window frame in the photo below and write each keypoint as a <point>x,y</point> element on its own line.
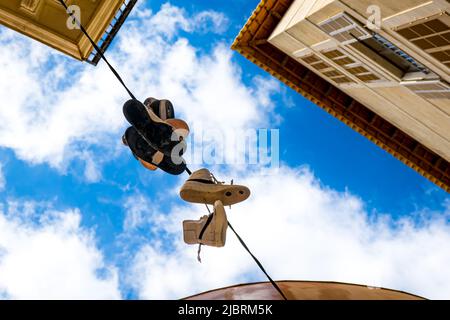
<point>353,25</point>
<point>445,87</point>
<point>355,64</point>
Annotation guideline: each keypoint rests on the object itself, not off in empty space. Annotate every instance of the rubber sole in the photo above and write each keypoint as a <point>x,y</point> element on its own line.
<point>221,223</point>
<point>198,192</point>
<point>147,165</point>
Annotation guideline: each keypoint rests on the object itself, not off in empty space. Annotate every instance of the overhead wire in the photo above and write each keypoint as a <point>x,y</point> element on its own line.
<point>99,51</point>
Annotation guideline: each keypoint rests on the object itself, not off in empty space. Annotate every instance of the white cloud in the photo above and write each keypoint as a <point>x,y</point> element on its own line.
<point>301,230</point>
<point>211,21</point>
<point>169,20</point>
<point>46,254</point>
<point>43,124</point>
<point>138,210</point>
<point>58,109</point>
<point>92,172</point>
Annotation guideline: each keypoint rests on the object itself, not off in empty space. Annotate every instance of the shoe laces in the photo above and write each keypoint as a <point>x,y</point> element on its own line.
<point>215,179</point>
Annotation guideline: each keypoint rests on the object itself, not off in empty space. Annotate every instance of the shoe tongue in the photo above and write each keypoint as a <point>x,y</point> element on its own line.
<point>202,175</point>
<point>163,110</point>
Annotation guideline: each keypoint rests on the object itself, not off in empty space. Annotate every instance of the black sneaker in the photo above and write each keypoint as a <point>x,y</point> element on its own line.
<point>142,150</point>
<point>153,129</point>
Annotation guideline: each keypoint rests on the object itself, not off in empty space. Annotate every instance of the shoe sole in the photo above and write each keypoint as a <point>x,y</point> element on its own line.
<point>189,235</point>
<point>147,165</point>
<point>221,223</point>
<point>198,192</point>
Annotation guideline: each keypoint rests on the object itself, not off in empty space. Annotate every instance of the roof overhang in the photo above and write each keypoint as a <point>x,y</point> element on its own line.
<point>46,22</point>
<point>252,43</point>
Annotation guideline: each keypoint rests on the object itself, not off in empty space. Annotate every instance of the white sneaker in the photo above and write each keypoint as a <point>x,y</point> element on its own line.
<point>215,233</point>
<point>201,188</point>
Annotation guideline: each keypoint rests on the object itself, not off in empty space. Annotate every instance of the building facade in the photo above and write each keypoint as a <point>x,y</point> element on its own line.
<point>48,22</point>
<point>381,66</point>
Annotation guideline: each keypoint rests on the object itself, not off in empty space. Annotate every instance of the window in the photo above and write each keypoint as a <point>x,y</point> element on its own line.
<point>430,89</point>
<point>332,73</point>
<point>344,29</point>
<point>312,59</point>
<point>352,66</point>
<point>326,69</point>
<point>344,61</point>
<point>320,66</point>
<point>432,36</point>
<point>29,5</point>
<point>392,54</point>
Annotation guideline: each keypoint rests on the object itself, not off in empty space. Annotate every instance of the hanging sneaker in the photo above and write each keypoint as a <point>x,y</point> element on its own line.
<point>155,131</point>
<point>214,234</point>
<point>149,157</point>
<point>180,127</point>
<point>164,109</point>
<point>202,187</point>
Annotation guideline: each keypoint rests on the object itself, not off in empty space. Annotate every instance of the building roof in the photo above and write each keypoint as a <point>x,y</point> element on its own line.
<point>304,290</point>
<point>46,21</point>
<point>252,43</point>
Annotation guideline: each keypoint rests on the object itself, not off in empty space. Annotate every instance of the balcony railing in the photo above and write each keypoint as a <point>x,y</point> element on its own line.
<point>112,30</point>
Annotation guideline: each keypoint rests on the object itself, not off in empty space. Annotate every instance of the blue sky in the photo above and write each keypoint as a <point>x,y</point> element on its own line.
<point>339,156</point>
<point>60,153</point>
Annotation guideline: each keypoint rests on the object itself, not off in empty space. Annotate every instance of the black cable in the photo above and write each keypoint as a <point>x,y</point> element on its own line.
<point>71,14</point>
<point>274,284</point>
<point>208,222</point>
<point>246,248</point>
<point>99,51</point>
